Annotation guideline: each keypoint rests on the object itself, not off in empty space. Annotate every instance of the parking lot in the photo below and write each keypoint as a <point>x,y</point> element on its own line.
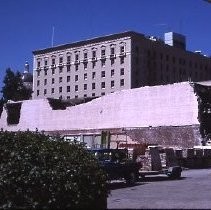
<point>192,191</point>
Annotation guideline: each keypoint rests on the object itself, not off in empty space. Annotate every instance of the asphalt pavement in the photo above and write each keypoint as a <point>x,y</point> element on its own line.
<point>191,191</point>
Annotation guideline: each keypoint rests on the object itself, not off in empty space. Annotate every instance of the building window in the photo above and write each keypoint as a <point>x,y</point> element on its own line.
<point>53,81</point>
<point>38,64</point>
<point>122,49</point>
<point>102,85</point>
<point>93,94</point>
<point>76,88</point>
<point>112,50</point>
<point>52,90</point>
<point>103,93</point>
<point>45,91</point>
<point>122,71</point>
<point>93,75</point>
<point>94,54</point>
<point>38,92</point>
<point>45,81</point>
<point>122,82</point>
<point>76,57</point>
<point>38,73</point>
<point>85,86</point>
<point>112,84</point>
<point>45,72</point>
<point>93,86</point>
<point>68,97</point>
<point>173,60</point>
<point>76,78</point>
<point>112,72</point>
<point>112,61</point>
<point>53,71</point>
<point>46,63</point>
<point>60,89</point>
<point>137,50</point>
<point>102,52</point>
<point>85,55</point>
<point>38,82</point>
<point>85,65</point>
<point>68,59</point>
<point>76,67</point>
<point>68,78</point>
<point>85,76</point>
<point>103,74</point>
<point>53,61</point>
<point>122,60</point>
<point>103,62</point>
<point>85,95</point>
<point>60,59</point>
<point>60,79</point>
<point>93,64</point>
<point>60,69</point>
<point>68,68</point>
<point>68,89</point>
<point>76,96</point>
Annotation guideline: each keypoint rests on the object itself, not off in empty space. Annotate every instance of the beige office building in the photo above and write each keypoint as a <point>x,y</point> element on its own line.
<point>102,65</point>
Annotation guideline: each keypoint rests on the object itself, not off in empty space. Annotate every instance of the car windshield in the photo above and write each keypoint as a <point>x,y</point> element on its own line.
<point>103,156</point>
<point>112,155</point>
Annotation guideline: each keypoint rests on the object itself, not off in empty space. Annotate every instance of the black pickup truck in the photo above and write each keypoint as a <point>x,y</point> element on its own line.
<point>117,164</point>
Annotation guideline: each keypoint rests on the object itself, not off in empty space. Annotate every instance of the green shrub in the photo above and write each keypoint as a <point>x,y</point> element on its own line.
<point>39,172</point>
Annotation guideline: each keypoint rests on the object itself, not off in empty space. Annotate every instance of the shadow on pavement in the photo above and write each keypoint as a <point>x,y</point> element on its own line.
<point>114,185</point>
<point>121,185</point>
<point>158,179</point>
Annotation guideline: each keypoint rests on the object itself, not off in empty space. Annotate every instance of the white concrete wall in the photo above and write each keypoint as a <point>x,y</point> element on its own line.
<point>169,105</point>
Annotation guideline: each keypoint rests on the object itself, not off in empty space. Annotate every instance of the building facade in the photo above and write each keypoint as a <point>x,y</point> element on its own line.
<point>103,65</point>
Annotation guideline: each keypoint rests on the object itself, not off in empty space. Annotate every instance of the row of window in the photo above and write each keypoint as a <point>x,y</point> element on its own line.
<point>85,55</point>
<point>85,87</point>
<point>180,61</point>
<point>103,63</point>
<point>103,75</point>
<point>85,95</point>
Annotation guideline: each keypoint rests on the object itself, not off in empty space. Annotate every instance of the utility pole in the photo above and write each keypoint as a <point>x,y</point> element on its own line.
<point>52,38</point>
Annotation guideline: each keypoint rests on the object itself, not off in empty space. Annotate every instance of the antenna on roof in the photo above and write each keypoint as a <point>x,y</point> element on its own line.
<point>52,38</point>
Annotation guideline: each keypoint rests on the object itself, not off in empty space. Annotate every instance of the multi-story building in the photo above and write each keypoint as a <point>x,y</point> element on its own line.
<point>102,65</point>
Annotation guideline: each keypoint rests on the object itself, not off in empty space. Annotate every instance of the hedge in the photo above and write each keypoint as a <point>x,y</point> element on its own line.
<point>40,172</point>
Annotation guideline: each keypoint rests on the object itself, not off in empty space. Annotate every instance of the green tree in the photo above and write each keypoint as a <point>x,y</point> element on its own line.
<point>13,88</point>
<point>1,105</point>
<point>43,172</point>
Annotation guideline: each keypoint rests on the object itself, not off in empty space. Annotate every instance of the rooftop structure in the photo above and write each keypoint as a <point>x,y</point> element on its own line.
<point>27,77</point>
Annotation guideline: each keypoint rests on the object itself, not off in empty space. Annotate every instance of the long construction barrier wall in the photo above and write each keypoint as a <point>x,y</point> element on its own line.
<point>193,158</point>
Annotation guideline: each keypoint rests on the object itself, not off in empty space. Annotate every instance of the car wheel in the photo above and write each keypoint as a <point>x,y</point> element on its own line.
<point>131,178</point>
<point>175,173</point>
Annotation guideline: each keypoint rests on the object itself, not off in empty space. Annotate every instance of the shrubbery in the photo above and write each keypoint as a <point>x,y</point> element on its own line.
<point>39,172</point>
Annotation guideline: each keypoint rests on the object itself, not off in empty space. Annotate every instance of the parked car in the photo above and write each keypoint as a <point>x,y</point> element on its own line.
<point>117,164</point>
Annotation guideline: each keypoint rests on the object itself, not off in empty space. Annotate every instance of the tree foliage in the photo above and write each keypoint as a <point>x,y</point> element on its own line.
<point>13,88</point>
<point>41,172</point>
<point>1,105</point>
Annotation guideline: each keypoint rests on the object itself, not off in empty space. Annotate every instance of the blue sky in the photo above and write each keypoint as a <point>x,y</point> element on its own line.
<point>26,25</point>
